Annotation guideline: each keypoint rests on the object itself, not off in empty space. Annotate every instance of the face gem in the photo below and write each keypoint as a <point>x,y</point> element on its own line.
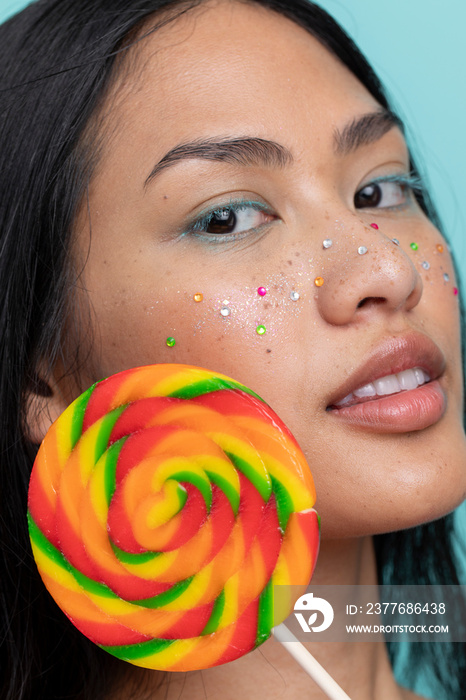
<point>319,281</point>
<point>439,247</point>
<point>375,226</point>
<point>294,296</point>
<point>225,311</point>
<point>455,291</point>
<point>262,291</point>
<point>414,246</point>
<point>261,330</point>
<point>426,265</point>
<point>396,241</point>
<point>198,297</point>
<point>446,277</point>
<point>327,243</point>
<point>362,250</point>
<point>171,342</point>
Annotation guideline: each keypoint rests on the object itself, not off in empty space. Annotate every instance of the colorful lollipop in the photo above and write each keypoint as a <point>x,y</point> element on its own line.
<point>164,505</point>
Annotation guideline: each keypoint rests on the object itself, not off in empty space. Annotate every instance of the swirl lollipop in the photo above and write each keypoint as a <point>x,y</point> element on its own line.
<point>164,505</point>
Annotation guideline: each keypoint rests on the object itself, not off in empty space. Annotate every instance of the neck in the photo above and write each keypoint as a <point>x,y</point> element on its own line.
<point>361,669</point>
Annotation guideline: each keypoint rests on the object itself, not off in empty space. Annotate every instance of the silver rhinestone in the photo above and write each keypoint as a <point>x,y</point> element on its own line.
<point>446,277</point>
<point>426,265</point>
<point>396,241</point>
<point>225,311</point>
<point>294,296</point>
<point>362,250</point>
<point>327,243</point>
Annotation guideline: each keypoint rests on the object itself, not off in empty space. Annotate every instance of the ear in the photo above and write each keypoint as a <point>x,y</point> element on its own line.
<point>45,401</point>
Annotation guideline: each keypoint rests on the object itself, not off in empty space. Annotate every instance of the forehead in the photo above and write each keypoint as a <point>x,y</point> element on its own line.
<point>232,67</point>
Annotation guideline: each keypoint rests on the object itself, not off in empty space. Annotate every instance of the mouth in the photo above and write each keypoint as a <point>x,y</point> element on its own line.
<point>385,386</point>
<point>397,389</point>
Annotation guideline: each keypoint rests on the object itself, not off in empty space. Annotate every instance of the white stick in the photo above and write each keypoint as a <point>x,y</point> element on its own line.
<point>305,659</point>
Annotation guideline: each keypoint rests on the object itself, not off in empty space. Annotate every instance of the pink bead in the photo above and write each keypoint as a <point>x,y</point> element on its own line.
<point>455,291</point>
<point>375,226</point>
<point>262,291</point>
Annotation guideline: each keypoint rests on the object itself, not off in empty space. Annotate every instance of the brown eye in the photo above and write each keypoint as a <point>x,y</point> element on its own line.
<point>234,219</point>
<point>222,222</point>
<point>382,195</point>
<point>369,196</point>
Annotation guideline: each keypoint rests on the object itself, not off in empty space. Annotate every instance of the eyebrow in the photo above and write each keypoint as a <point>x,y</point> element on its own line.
<point>241,151</point>
<point>365,130</point>
<point>256,151</point>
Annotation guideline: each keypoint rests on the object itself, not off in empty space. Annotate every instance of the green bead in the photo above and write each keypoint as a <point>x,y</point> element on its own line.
<point>260,330</point>
<point>414,246</point>
<point>171,342</point>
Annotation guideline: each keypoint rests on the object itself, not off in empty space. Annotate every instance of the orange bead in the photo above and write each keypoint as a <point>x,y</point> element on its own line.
<point>440,248</point>
<point>198,297</point>
<point>319,281</point>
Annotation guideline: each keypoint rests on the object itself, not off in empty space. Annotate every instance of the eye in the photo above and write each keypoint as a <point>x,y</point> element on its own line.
<point>385,193</point>
<point>234,219</point>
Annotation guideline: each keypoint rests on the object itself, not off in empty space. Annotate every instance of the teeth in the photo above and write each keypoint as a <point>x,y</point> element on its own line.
<point>408,380</point>
<point>366,390</point>
<point>387,385</point>
<point>391,384</point>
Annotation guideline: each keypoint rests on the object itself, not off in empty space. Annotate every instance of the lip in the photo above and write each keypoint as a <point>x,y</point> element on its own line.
<point>408,410</point>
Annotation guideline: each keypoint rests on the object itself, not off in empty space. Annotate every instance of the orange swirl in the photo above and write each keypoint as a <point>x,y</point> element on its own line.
<point>164,504</point>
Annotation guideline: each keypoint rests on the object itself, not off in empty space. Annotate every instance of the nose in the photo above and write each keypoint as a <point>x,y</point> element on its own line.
<point>374,272</point>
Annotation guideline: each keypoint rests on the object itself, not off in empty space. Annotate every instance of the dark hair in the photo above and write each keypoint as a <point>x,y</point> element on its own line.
<point>56,62</point>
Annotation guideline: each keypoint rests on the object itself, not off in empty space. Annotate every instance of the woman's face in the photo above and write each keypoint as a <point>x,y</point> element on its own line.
<point>234,146</point>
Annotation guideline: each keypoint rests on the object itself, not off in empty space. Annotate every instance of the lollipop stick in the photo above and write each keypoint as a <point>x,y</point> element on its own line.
<point>307,662</point>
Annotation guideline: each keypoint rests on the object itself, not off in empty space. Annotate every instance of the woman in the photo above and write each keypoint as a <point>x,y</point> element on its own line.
<point>216,148</point>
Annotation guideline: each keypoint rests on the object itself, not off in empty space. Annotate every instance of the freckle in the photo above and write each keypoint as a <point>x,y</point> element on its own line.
<point>268,351</point>
<point>165,196</point>
<point>267,305</point>
<point>290,262</point>
<point>105,262</point>
<point>297,254</point>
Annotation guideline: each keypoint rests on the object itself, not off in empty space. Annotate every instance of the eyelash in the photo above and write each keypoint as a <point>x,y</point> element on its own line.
<point>410,182</point>
<point>197,227</point>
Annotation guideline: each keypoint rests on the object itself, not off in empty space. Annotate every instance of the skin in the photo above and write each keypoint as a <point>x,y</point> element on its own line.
<point>140,272</point>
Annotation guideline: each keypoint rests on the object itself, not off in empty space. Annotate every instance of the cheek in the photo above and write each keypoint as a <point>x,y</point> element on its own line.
<point>243,325</point>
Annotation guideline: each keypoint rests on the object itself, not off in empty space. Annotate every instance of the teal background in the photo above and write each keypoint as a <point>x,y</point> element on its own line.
<point>418,49</point>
